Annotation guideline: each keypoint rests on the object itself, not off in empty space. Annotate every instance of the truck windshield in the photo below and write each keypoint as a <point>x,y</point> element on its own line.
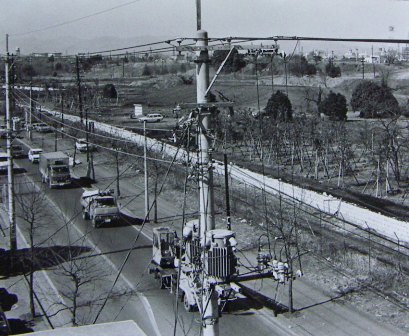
<point>108,201</point>
<point>60,169</point>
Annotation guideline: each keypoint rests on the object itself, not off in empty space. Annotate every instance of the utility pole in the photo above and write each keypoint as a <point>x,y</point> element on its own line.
<point>226,185</point>
<point>198,15</point>
<point>145,165</point>
<point>62,114</point>
<point>77,65</point>
<point>209,302</point>
<point>10,176</point>
<point>363,67</point>
<point>30,126</point>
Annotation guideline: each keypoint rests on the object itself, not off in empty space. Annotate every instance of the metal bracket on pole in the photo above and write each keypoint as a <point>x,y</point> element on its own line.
<point>218,72</point>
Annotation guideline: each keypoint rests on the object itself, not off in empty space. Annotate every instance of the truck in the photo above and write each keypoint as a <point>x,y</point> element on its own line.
<point>54,169</point>
<point>99,206</point>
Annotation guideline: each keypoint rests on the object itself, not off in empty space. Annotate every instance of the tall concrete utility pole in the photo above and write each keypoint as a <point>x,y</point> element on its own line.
<point>209,302</point>
<point>10,176</point>
<point>145,166</point>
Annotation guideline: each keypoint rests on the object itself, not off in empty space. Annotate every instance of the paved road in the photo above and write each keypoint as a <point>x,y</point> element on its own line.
<point>322,318</point>
<point>157,303</point>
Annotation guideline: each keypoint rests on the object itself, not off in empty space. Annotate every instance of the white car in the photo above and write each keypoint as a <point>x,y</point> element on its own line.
<point>81,145</point>
<point>41,128</point>
<point>152,117</point>
<point>34,154</point>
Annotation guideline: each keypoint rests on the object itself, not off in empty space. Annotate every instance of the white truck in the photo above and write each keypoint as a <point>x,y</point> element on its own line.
<point>54,169</point>
<point>99,206</point>
<point>34,155</point>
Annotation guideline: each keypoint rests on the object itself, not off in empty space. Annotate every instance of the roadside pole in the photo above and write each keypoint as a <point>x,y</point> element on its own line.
<point>30,117</point>
<point>10,176</point>
<point>209,302</point>
<point>145,165</point>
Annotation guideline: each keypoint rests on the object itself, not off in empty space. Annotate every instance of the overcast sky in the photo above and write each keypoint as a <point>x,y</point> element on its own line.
<point>174,18</point>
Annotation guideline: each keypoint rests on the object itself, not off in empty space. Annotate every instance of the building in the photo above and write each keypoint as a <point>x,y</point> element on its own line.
<point>123,328</point>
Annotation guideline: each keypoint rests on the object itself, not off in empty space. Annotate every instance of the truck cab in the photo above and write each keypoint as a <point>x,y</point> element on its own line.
<point>164,247</point>
<point>99,206</point>
<point>54,169</point>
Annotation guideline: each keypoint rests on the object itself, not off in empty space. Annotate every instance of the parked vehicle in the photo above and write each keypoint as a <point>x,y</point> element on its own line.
<point>54,169</point>
<point>17,151</point>
<point>152,117</point>
<point>42,128</point>
<point>3,162</point>
<point>34,154</point>
<point>3,131</point>
<point>81,145</point>
<point>99,206</point>
<point>16,123</point>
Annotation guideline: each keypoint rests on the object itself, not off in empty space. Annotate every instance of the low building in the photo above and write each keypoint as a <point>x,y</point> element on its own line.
<point>123,328</point>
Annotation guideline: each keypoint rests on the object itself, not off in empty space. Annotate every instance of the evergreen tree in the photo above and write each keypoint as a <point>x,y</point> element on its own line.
<point>279,106</point>
<point>334,106</point>
<point>374,100</point>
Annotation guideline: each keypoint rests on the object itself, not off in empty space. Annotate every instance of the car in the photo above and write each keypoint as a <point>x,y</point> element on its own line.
<point>17,151</point>
<point>81,145</point>
<point>152,117</point>
<point>43,128</point>
<point>3,131</point>
<point>3,162</point>
<point>34,154</point>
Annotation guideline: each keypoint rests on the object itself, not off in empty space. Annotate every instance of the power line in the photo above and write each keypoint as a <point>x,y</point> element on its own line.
<point>76,20</point>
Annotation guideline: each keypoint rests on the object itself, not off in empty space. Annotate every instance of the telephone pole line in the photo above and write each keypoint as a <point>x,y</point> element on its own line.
<point>77,65</point>
<point>10,176</point>
<point>209,302</point>
<point>145,165</point>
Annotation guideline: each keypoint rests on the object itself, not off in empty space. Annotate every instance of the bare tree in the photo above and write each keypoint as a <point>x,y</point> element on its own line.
<point>82,276</point>
<point>282,225</point>
<point>32,210</point>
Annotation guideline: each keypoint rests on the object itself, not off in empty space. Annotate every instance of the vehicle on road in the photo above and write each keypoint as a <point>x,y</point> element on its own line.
<point>34,155</point>
<point>3,131</point>
<point>99,206</point>
<point>3,162</point>
<point>17,151</point>
<point>152,117</point>
<point>81,145</point>
<point>42,128</point>
<point>54,169</point>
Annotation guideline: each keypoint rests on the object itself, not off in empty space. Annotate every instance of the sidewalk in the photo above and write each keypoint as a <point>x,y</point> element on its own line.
<point>19,316</point>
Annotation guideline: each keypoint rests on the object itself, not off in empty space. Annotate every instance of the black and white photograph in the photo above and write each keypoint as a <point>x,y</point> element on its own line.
<point>204,167</point>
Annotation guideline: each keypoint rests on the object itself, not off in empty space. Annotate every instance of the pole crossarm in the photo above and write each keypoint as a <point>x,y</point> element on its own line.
<point>206,105</point>
<point>261,46</point>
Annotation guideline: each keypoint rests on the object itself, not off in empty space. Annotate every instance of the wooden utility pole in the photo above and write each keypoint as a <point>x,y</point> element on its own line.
<point>62,114</point>
<point>77,65</point>
<point>198,14</point>
<point>10,176</point>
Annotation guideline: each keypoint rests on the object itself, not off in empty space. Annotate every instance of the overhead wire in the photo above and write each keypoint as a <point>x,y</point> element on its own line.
<point>75,20</point>
<point>94,134</point>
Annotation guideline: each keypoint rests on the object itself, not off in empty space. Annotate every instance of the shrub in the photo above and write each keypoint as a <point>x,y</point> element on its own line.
<point>334,106</point>
<point>374,101</point>
<point>279,106</point>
